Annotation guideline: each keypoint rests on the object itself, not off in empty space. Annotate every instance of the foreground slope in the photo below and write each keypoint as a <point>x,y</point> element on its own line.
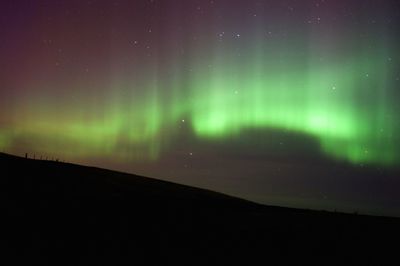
<point>57,213</point>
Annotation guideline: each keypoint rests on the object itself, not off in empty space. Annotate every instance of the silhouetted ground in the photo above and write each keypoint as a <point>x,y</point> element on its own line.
<point>64,214</point>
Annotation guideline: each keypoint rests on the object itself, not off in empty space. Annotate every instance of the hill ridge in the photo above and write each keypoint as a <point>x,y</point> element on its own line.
<point>82,215</point>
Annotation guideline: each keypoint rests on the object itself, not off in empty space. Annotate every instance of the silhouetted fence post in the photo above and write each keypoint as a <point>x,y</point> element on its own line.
<point>26,155</point>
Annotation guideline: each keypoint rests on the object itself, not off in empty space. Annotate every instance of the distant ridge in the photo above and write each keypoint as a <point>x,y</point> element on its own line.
<point>65,214</point>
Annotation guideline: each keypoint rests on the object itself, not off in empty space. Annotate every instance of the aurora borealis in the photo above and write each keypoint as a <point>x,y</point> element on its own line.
<point>128,82</point>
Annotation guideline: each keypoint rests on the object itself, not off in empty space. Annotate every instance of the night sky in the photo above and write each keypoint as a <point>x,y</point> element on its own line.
<point>292,103</point>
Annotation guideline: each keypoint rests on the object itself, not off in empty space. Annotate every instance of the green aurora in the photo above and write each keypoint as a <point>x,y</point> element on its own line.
<point>345,105</point>
<point>123,87</point>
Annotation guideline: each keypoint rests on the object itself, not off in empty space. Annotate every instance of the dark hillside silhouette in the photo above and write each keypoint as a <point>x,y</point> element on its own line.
<point>64,214</point>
